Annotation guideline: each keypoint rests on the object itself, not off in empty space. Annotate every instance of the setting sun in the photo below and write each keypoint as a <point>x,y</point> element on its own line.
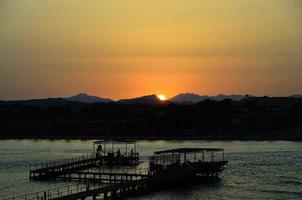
<point>162,97</point>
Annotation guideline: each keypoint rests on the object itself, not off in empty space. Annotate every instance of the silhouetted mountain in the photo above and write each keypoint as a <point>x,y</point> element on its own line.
<point>85,98</point>
<point>149,99</point>
<point>188,98</point>
<point>183,98</point>
<point>80,98</point>
<point>38,102</point>
<point>234,97</point>
<point>250,118</point>
<point>195,98</point>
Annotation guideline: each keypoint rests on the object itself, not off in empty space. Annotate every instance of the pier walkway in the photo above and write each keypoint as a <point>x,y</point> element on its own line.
<point>53,169</point>
<point>104,176</point>
<point>60,167</point>
<point>99,179</point>
<point>95,191</point>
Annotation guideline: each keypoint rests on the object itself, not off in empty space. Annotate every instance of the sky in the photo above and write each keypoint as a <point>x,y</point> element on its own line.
<point>128,48</point>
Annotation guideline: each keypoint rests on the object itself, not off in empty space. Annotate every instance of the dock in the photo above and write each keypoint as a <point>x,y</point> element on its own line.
<point>95,191</point>
<point>55,168</point>
<point>109,176</point>
<point>100,156</point>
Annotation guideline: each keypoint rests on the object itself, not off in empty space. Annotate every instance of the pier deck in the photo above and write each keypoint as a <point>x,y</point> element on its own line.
<point>101,190</point>
<point>55,168</point>
<point>165,168</point>
<point>111,177</point>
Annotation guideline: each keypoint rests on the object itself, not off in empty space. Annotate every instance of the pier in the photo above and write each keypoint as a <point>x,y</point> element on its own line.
<point>52,169</point>
<point>101,156</point>
<point>94,191</point>
<point>109,175</point>
<point>105,176</point>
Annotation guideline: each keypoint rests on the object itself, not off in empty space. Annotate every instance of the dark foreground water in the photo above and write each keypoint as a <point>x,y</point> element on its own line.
<point>256,170</point>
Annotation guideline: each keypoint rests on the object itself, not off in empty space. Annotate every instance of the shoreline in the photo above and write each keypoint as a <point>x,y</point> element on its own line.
<point>157,138</point>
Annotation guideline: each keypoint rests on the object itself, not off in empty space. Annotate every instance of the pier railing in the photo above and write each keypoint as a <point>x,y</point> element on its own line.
<point>58,192</point>
<point>135,170</point>
<point>66,161</point>
<point>60,162</point>
<point>79,188</point>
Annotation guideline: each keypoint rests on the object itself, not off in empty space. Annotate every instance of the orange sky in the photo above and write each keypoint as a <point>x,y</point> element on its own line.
<point>126,48</point>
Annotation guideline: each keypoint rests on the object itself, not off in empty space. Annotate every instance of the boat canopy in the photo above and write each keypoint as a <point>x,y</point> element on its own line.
<point>115,141</point>
<point>188,150</point>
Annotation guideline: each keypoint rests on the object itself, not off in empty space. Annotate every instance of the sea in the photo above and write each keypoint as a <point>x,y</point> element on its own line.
<point>255,169</point>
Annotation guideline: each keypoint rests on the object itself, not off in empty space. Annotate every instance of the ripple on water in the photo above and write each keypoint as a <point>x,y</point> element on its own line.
<point>257,170</point>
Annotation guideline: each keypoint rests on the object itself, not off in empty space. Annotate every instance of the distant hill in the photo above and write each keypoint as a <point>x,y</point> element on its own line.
<point>188,98</point>
<point>38,102</point>
<point>79,98</point>
<point>85,98</point>
<point>195,98</point>
<point>234,97</point>
<point>148,99</point>
<point>253,118</point>
<point>183,98</point>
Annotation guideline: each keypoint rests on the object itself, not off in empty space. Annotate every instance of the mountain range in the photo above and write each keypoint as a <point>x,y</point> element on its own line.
<point>183,98</point>
<point>195,98</point>
<point>85,98</point>
<point>148,99</point>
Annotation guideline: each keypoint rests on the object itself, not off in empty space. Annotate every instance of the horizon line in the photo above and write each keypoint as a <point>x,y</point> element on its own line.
<point>117,99</point>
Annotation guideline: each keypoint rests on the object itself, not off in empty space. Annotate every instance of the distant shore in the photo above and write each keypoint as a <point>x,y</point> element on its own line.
<point>248,119</point>
<point>223,138</point>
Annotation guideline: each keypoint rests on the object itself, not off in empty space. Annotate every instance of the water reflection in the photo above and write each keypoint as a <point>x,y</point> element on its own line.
<point>257,169</point>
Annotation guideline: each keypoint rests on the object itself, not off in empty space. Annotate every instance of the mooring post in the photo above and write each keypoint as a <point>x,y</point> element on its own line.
<point>113,194</point>
<point>93,149</point>
<point>126,149</point>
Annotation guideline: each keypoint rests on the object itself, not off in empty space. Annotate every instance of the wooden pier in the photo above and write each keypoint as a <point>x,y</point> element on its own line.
<point>100,180</point>
<point>95,191</point>
<point>52,169</point>
<point>111,177</point>
<point>101,156</point>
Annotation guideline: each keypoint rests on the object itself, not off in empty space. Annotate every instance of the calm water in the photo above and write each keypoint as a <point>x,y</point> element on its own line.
<point>256,170</point>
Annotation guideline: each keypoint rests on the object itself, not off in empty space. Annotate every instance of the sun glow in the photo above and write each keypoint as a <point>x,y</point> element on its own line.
<point>162,97</point>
